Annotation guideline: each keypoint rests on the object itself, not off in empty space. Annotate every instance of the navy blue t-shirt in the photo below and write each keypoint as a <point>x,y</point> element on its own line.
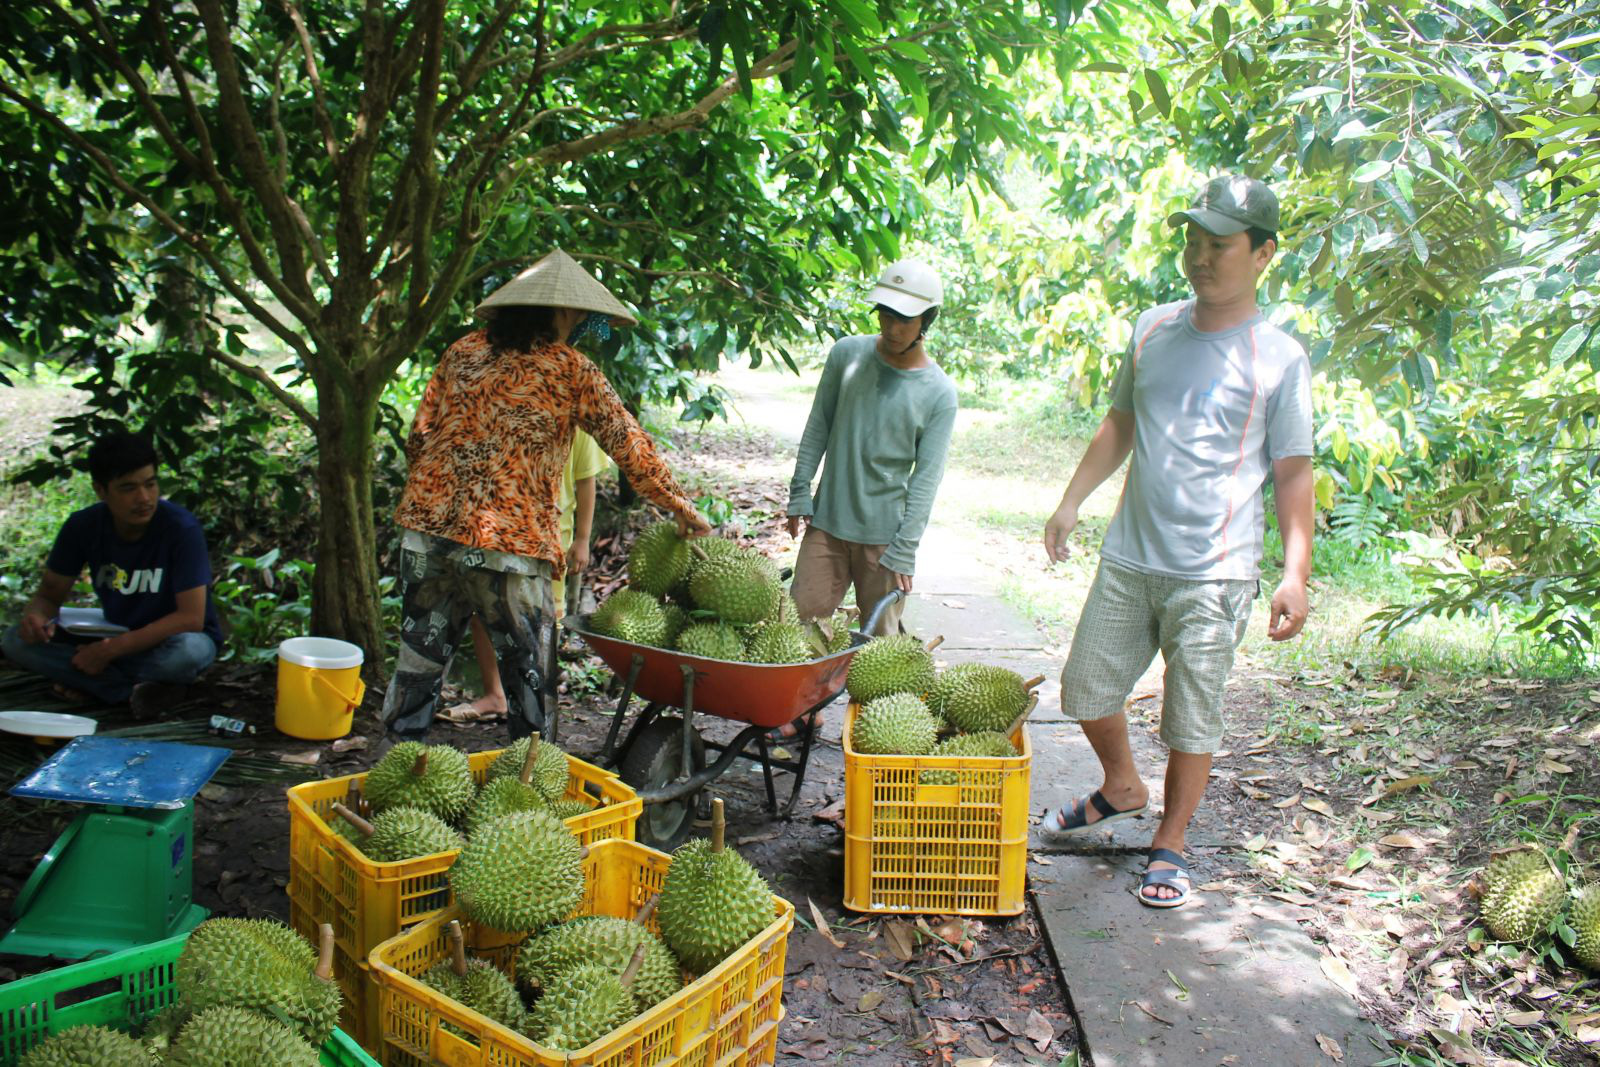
<point>139,581</point>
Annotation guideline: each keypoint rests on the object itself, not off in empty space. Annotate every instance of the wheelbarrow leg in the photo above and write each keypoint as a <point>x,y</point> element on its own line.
<point>552,677</point>
<point>688,714</point>
<point>766,773</point>
<point>811,730</point>
<point>608,752</point>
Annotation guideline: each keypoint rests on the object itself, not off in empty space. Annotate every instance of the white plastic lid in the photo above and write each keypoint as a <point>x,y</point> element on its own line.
<point>320,653</point>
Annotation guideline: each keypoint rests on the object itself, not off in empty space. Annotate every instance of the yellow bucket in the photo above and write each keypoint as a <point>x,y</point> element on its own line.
<point>319,686</point>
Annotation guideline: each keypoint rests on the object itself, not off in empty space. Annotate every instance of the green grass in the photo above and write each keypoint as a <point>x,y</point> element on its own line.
<point>29,518</point>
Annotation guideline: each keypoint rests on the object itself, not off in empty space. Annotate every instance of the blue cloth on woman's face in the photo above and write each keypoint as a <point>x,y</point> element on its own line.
<point>597,324</point>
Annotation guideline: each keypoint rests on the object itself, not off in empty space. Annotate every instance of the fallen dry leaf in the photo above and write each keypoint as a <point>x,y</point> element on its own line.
<point>1405,785</point>
<point>308,758</point>
<point>1523,1018</point>
<point>1339,973</point>
<point>822,924</point>
<point>1330,1047</point>
<point>1142,1006</point>
<point>1287,802</point>
<point>1039,1030</point>
<point>869,1000</point>
<point>1403,839</point>
<point>898,936</point>
<point>1318,806</point>
<point>976,1061</point>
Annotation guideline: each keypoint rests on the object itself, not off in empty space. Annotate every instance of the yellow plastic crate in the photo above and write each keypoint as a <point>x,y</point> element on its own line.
<point>727,1017</point>
<point>330,881</point>
<point>911,846</point>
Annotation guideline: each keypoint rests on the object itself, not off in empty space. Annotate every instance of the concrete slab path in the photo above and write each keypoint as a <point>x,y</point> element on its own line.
<point>1219,982</point>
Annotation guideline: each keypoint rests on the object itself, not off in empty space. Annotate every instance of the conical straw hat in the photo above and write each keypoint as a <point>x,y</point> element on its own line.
<point>559,281</point>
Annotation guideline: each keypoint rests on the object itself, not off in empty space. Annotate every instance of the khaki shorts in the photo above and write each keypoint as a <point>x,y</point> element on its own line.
<point>1128,617</point>
<point>826,568</point>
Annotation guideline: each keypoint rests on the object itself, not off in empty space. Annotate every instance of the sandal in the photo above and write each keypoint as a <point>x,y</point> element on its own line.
<point>1175,878</point>
<point>1063,822</point>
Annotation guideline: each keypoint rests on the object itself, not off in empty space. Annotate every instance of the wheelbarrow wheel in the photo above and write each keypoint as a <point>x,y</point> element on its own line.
<point>653,761</point>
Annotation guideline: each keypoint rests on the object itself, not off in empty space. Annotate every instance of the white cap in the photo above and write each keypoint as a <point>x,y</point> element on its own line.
<point>559,281</point>
<point>909,286</point>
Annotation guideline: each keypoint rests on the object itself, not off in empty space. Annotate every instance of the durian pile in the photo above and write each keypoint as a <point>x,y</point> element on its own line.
<point>714,598</point>
<point>250,991</point>
<point>910,709</point>
<point>1525,893</point>
<point>579,978</point>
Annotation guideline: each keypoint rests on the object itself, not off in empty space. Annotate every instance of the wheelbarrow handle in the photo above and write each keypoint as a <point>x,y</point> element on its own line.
<point>894,596</point>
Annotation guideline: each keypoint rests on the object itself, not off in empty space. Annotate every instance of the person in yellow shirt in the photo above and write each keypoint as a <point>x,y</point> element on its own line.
<point>585,462</point>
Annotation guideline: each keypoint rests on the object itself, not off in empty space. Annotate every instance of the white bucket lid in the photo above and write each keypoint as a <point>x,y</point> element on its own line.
<point>320,653</point>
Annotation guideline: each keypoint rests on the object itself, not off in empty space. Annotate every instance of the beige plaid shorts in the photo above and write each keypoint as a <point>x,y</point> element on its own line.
<point>1130,616</point>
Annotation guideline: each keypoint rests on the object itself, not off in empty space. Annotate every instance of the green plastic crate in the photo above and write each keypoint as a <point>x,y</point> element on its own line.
<point>121,990</point>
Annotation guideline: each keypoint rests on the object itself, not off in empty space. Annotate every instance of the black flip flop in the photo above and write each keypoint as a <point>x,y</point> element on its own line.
<point>1063,823</point>
<point>1176,878</point>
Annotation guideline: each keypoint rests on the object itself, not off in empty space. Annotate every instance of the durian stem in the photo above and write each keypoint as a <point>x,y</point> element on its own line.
<point>420,768</point>
<point>719,825</point>
<point>324,969</point>
<point>1033,683</point>
<point>1016,724</point>
<point>647,909</point>
<point>935,643</point>
<point>526,777</point>
<point>631,971</point>
<point>363,827</point>
<point>353,799</point>
<point>458,950</point>
<point>698,551</point>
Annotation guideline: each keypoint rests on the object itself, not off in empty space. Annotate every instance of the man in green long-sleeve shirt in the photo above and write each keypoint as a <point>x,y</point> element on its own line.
<point>883,416</point>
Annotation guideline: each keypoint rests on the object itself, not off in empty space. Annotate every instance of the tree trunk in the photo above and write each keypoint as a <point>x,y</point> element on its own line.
<point>345,597</point>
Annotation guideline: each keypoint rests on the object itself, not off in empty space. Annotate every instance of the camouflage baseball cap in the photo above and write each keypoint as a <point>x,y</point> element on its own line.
<point>1231,204</point>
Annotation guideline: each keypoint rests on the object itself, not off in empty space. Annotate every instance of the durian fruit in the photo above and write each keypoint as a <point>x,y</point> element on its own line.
<point>659,559</point>
<point>236,1037</point>
<point>476,984</point>
<point>401,833</point>
<point>836,635</point>
<point>713,640</point>
<point>86,1046</point>
<point>780,639</point>
<point>677,621</point>
<point>588,1003</point>
<point>502,797</point>
<point>606,940</point>
<point>262,965</point>
<point>570,809</point>
<point>737,589</point>
<point>1525,892</point>
<point>520,872</point>
<point>974,697</point>
<point>631,615</point>
<point>435,778</point>
<point>991,744</point>
<point>702,549</point>
<point>899,724</point>
<point>1586,924</point>
<point>162,1030</point>
<point>550,769</point>
<point>895,664</point>
<point>713,901</point>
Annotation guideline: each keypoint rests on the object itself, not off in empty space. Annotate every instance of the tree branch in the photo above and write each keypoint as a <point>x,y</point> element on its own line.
<point>324,117</point>
<point>422,156</point>
<point>202,248</point>
<point>477,63</point>
<point>250,370</point>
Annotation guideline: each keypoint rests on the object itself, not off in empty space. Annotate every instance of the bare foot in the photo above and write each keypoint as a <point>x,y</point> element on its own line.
<point>490,704</point>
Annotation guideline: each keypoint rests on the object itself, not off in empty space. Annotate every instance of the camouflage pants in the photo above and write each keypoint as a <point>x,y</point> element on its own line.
<point>440,593</point>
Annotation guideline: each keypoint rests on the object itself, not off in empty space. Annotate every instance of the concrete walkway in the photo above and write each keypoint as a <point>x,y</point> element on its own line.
<point>1215,983</point>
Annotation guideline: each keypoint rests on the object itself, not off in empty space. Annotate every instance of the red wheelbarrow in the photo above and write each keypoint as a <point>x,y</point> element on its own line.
<point>664,757</point>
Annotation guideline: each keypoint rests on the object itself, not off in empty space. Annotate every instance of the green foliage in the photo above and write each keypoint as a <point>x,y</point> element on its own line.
<point>264,600</point>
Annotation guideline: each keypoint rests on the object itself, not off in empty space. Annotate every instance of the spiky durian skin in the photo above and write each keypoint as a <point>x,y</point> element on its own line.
<point>710,548</point>
<point>991,744</point>
<point>1586,924</point>
<point>737,590</point>
<point>659,559</point>
<point>587,1004</point>
<point>605,940</point>
<point>631,615</point>
<point>162,1030</point>
<point>258,964</point>
<point>404,833</point>
<point>978,697</point>
<point>550,768</point>
<point>712,640</point>
<point>235,1037</point>
<point>885,665</point>
<point>677,621</point>
<point>445,787</point>
<point>520,872</point>
<point>711,904</point>
<point>779,642</point>
<point>483,989</point>
<point>1524,895</point>
<point>87,1046</point>
<point>840,625</point>
<point>570,809</point>
<point>502,797</point>
<point>899,724</point>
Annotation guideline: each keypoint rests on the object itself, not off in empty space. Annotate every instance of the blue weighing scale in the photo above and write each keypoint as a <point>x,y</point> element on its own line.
<point>122,874</point>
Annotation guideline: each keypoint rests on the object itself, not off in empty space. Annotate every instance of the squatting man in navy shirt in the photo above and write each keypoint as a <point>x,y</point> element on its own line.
<point>146,558</point>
